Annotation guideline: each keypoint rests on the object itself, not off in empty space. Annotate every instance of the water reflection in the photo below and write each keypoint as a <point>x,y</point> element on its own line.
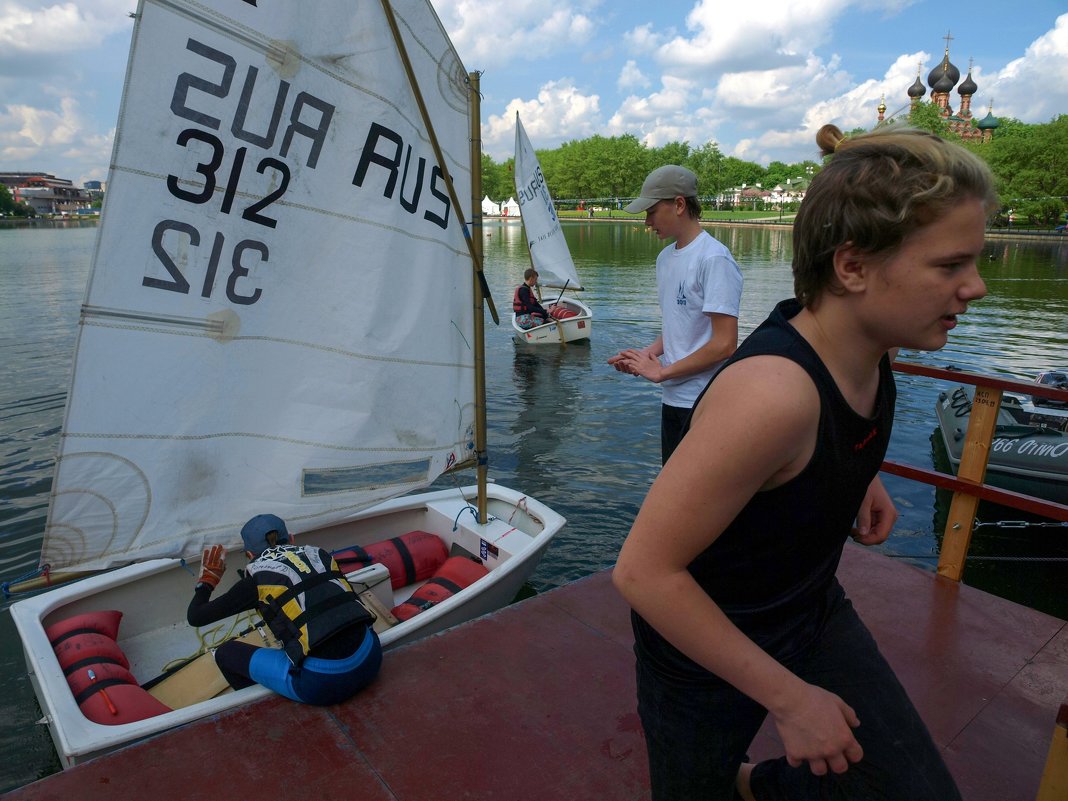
<point>547,404</point>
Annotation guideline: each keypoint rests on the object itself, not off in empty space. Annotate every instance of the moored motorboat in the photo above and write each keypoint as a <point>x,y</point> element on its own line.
<point>1029,451</point>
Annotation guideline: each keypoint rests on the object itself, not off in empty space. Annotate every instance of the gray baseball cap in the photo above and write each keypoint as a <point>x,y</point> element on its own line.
<point>664,183</point>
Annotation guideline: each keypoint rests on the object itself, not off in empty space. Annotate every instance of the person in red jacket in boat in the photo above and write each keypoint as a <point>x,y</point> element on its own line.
<point>329,649</point>
<point>528,312</point>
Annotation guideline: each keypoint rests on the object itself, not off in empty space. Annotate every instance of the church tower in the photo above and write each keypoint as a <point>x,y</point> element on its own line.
<point>942,80</point>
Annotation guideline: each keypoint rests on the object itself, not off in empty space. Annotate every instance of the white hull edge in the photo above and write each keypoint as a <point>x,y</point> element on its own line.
<point>571,329</point>
<point>155,633</point>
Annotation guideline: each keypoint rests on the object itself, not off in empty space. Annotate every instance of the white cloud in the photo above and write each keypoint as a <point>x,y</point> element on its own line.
<point>631,77</point>
<point>495,32</point>
<point>854,106</point>
<point>56,140</point>
<point>1034,88</point>
<point>560,112</point>
<point>747,35</point>
<point>39,29</point>
<point>642,40</point>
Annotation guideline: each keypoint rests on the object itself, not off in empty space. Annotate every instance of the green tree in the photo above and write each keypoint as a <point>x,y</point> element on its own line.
<point>777,173</point>
<point>1030,163</point>
<point>496,179</point>
<point>737,172</point>
<point>617,166</point>
<point>671,153</point>
<point>707,164</point>
<point>927,116</point>
<point>7,202</point>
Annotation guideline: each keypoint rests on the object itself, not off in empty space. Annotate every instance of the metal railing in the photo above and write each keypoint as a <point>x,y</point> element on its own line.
<point>967,486</point>
<point>968,489</point>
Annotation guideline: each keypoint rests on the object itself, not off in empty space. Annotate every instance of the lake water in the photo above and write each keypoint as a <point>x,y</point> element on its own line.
<point>563,425</point>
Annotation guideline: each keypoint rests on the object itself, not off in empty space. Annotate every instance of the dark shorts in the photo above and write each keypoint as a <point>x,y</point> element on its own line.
<point>672,421</point>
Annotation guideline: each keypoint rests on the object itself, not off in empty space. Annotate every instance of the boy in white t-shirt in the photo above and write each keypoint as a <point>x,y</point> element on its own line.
<point>700,289</point>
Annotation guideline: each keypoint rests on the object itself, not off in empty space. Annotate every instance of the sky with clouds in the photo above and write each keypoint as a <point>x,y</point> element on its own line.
<point>756,77</point>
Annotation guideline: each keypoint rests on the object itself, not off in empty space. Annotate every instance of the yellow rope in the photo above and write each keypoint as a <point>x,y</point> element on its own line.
<point>212,638</point>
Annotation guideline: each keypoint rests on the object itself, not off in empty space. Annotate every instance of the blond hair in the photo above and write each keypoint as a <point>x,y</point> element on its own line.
<point>878,188</point>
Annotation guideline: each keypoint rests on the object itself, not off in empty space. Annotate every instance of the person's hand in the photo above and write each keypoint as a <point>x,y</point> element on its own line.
<point>817,728</point>
<point>643,363</point>
<point>212,566</point>
<point>618,362</point>
<point>876,516</point>
<point>625,360</point>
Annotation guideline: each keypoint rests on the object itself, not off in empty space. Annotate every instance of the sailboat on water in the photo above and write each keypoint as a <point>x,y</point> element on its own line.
<point>278,179</point>
<point>549,253</point>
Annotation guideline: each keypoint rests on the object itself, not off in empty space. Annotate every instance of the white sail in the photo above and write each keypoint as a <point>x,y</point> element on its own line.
<point>280,303</point>
<point>548,249</point>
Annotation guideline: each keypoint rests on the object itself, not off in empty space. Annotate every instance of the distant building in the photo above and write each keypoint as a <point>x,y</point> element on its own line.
<point>95,189</point>
<point>942,80</point>
<point>45,193</point>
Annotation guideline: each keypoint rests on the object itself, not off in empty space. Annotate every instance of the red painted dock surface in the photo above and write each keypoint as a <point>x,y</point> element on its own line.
<point>537,702</point>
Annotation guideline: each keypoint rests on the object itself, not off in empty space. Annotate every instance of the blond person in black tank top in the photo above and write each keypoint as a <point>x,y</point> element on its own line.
<point>729,566</point>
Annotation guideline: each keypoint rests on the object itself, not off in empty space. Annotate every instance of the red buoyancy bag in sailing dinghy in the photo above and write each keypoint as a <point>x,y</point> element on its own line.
<point>97,670</point>
<point>409,558</point>
<point>457,573</point>
<point>561,312</point>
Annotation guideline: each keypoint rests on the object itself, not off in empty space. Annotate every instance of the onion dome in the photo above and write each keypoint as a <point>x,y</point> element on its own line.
<point>967,86</point>
<point>989,122</point>
<point>944,84</point>
<point>917,89</point>
<point>943,72</point>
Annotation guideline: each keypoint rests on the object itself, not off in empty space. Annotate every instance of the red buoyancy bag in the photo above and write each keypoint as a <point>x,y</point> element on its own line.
<point>88,649</point>
<point>106,623</point>
<point>410,557</point>
<point>111,696</point>
<point>561,312</point>
<point>457,573</point>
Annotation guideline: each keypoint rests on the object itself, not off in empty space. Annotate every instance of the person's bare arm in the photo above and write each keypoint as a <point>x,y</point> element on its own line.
<point>723,343</point>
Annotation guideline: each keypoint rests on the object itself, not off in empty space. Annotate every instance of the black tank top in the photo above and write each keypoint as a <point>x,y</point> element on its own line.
<point>777,559</point>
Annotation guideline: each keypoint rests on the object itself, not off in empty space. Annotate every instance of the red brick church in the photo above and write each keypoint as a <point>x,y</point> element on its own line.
<point>942,80</point>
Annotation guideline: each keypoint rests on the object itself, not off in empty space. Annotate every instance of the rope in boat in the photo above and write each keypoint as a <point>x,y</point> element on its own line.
<point>210,638</point>
<point>520,504</point>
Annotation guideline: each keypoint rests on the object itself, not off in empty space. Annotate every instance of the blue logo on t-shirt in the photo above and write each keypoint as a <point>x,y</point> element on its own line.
<point>680,296</point>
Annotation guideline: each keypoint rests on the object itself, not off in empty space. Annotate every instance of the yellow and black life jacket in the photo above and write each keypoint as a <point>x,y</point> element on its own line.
<point>304,597</point>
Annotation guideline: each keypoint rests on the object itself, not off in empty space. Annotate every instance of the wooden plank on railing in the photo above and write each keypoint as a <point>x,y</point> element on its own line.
<point>972,470</point>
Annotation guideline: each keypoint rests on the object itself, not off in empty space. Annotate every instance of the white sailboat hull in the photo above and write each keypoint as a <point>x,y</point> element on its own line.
<point>153,597</point>
<point>554,332</point>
